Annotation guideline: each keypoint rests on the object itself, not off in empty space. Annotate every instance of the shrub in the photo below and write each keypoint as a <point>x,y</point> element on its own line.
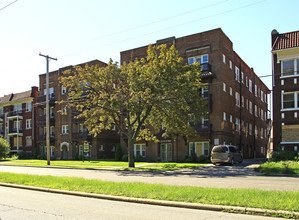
<point>24,155</point>
<point>125,158</point>
<point>193,156</point>
<point>284,155</point>
<point>81,157</point>
<point>203,159</point>
<point>4,148</point>
<point>139,158</point>
<point>118,153</point>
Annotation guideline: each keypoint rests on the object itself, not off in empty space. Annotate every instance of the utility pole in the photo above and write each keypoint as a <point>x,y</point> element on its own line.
<point>48,58</point>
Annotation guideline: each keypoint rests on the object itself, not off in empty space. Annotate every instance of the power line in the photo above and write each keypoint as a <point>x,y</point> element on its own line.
<point>178,25</point>
<point>8,5</point>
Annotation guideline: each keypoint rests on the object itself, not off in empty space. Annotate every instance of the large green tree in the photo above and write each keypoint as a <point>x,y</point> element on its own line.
<point>139,97</point>
<point>4,148</point>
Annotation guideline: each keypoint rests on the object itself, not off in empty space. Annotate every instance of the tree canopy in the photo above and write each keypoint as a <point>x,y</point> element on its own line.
<point>139,97</point>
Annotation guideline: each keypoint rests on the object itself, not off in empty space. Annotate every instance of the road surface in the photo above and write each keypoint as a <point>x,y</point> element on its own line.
<point>210,176</point>
<point>22,204</point>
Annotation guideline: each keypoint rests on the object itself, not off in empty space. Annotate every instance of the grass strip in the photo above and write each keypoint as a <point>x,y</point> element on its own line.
<point>253,198</point>
<point>282,167</point>
<point>103,164</point>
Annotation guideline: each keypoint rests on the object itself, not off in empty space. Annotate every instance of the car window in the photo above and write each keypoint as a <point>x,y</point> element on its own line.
<point>232,149</point>
<point>220,149</point>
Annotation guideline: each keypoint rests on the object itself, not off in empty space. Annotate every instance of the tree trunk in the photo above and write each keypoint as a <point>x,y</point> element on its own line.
<point>130,150</point>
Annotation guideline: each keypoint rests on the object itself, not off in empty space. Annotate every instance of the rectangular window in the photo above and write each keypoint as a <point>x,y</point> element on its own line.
<point>231,119</point>
<point>255,90</point>
<point>237,96</point>
<point>139,149</point>
<point>243,101</point>
<point>255,110</point>
<point>230,64</point>
<point>250,107</point>
<point>63,90</point>
<point>18,108</point>
<point>28,123</point>
<point>64,129</point>
<point>29,107</point>
<point>199,148</point>
<point>250,129</point>
<point>237,74</point>
<point>237,124</point>
<point>223,58</point>
<point>230,91</point>
<point>290,100</point>
<point>250,86</point>
<point>224,116</point>
<point>201,59</point>
<point>288,68</point>
<point>28,141</point>
<point>242,77</point>
<point>82,128</point>
<point>262,96</point>
<point>224,87</point>
<point>51,92</point>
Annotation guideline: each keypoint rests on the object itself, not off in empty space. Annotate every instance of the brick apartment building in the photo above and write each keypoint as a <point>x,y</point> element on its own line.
<point>237,100</point>
<point>17,120</point>
<point>68,133</point>
<point>285,64</point>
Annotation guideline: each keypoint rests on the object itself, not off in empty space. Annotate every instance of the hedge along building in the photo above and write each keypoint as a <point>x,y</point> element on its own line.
<point>69,138</point>
<point>237,101</point>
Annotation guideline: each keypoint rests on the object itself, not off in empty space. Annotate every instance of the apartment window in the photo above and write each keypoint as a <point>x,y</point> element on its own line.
<point>101,147</point>
<point>250,107</point>
<point>265,97</point>
<point>250,86</point>
<point>237,124</point>
<point>18,124</point>
<point>51,92</point>
<point>255,90</point>
<point>28,141</point>
<point>64,129</point>
<point>243,101</point>
<point>204,92</point>
<point>237,74</point>
<point>246,79</point>
<point>64,110</point>
<point>28,123</point>
<point>201,59</point>
<point>52,112</point>
<point>63,90</point>
<point>255,110</point>
<point>224,116</point>
<point>231,119</point>
<point>290,67</point>
<point>224,87</point>
<point>242,126</point>
<point>242,77</point>
<point>237,96</point>
<point>230,64</point>
<point>262,96</point>
<point>256,131</point>
<point>290,100</point>
<point>139,149</point>
<point>82,128</point>
<point>262,114</point>
<point>52,131</point>
<point>199,148</point>
<point>250,129</point>
<point>29,107</point>
<point>230,91</point>
<point>223,58</point>
<point>18,108</point>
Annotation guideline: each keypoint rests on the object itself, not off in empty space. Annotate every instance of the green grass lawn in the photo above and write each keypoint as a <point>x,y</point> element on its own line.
<point>102,164</point>
<point>274,200</point>
<point>282,167</point>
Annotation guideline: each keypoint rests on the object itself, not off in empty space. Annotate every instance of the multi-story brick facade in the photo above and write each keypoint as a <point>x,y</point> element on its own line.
<point>237,100</point>
<point>68,133</point>
<point>17,120</point>
<point>285,64</point>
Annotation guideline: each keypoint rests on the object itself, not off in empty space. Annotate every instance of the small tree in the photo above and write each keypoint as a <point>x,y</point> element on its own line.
<point>4,148</point>
<point>139,97</point>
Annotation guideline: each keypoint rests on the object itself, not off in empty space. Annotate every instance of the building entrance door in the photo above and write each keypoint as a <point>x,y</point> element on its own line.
<point>166,152</point>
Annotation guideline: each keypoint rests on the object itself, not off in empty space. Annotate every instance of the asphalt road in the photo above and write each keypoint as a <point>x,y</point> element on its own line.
<point>237,176</point>
<point>22,204</point>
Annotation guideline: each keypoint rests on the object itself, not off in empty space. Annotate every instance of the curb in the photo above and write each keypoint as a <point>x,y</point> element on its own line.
<point>254,211</point>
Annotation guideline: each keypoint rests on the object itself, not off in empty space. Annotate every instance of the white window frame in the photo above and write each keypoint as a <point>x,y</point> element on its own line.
<point>64,129</point>
<point>224,116</point>
<point>238,102</point>
<point>230,64</point>
<point>223,58</point>
<point>250,86</point>
<point>237,74</point>
<point>295,65</point>
<point>63,90</point>
<point>140,149</point>
<point>204,58</point>
<point>28,106</point>
<point>28,123</point>
<point>295,98</point>
<point>204,149</point>
<point>224,87</point>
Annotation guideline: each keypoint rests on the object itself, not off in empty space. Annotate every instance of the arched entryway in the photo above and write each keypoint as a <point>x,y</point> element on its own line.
<point>64,148</point>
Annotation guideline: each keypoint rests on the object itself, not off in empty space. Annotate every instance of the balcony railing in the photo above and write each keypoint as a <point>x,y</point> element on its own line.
<point>206,67</point>
<point>42,99</point>
<point>81,136</point>
<point>15,114</point>
<point>15,131</point>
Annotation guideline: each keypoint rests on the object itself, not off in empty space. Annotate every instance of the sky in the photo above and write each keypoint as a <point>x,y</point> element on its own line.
<point>77,31</point>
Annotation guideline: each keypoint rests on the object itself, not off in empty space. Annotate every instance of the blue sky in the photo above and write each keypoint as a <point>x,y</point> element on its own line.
<point>76,31</point>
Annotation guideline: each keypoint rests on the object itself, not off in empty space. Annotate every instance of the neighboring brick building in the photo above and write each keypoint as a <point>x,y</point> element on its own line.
<point>285,64</point>
<point>67,133</point>
<point>17,120</point>
<point>237,100</point>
